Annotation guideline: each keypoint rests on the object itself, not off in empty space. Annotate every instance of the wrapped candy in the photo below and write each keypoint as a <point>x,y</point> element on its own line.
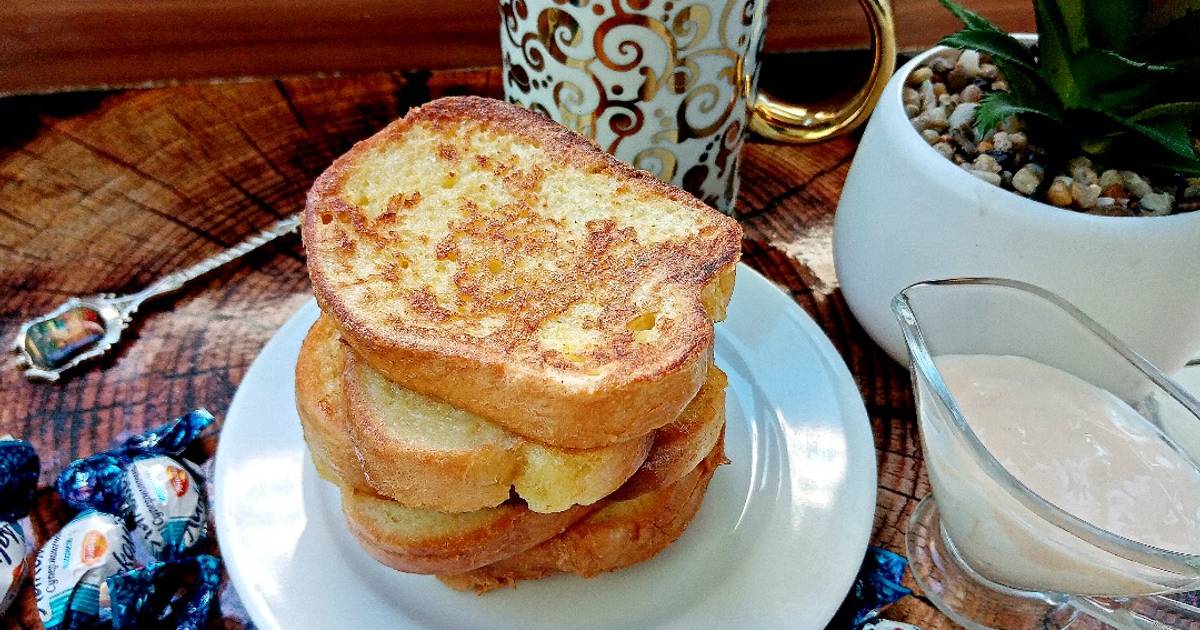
<point>155,577</point>
<point>19,470</point>
<point>150,597</point>
<point>168,509</point>
<point>142,480</point>
<point>876,587</point>
<point>72,567</point>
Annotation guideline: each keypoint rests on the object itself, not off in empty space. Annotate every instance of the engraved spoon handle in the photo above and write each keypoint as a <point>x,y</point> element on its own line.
<point>51,344</point>
<point>174,281</point>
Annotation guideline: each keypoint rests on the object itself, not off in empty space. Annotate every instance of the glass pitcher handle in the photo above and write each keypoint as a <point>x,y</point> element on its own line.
<point>781,121</point>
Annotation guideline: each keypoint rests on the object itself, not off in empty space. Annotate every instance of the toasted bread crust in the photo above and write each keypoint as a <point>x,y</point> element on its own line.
<point>467,479</point>
<point>679,447</point>
<point>466,542</point>
<point>449,480</point>
<point>538,410</point>
<point>616,536</point>
<point>622,389</point>
<point>322,408</point>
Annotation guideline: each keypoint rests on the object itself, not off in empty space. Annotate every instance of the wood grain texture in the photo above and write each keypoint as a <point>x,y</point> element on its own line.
<point>106,191</point>
<point>51,44</point>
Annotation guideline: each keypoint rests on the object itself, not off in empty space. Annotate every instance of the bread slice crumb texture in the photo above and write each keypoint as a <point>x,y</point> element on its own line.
<point>619,534</point>
<point>481,242</point>
<point>478,236</point>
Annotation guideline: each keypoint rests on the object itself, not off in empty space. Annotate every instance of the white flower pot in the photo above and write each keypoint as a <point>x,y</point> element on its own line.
<point>908,214</point>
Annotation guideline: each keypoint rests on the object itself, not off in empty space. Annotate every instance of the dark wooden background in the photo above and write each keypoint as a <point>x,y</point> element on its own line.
<point>49,44</point>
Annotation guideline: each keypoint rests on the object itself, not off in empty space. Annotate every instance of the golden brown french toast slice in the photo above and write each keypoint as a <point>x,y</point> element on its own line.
<point>423,453</point>
<point>617,535</point>
<point>322,407</point>
<point>415,540</point>
<point>426,453</point>
<point>681,445</point>
<point>481,254</point>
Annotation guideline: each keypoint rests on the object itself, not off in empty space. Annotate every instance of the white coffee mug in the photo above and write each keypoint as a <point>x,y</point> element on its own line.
<point>670,86</point>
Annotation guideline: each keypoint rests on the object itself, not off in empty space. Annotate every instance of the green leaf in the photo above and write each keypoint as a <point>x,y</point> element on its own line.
<point>1143,154</point>
<point>1028,87</point>
<point>1002,47</point>
<point>1171,133</point>
<point>1016,63</point>
<point>1119,78</point>
<point>1106,80</point>
<point>969,18</point>
<point>1184,110</point>
<point>998,106</point>
<point>1168,133</point>
<point>1112,25</point>
<point>1074,23</point>
<point>1127,144</point>
<point>1055,51</point>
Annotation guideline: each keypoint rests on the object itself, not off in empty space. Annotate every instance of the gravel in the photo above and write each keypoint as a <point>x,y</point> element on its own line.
<point>963,116</point>
<point>1136,185</point>
<point>1027,180</point>
<point>1059,192</point>
<point>1157,203</point>
<point>1084,196</point>
<point>941,98</point>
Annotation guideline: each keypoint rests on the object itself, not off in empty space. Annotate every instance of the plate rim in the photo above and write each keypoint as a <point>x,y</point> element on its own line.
<point>844,392</point>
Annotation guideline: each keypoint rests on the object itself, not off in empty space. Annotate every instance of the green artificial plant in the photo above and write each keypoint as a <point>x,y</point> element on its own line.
<point>1117,79</point>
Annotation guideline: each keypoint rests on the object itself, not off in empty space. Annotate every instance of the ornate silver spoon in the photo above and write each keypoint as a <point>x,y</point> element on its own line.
<point>86,327</point>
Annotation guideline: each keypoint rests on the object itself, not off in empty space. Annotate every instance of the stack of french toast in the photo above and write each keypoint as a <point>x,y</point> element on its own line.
<point>513,374</point>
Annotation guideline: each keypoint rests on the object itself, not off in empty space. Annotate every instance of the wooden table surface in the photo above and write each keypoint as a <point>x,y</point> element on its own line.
<point>106,191</point>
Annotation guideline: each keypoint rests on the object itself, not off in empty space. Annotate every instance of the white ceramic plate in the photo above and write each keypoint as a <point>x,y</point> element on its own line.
<point>777,541</point>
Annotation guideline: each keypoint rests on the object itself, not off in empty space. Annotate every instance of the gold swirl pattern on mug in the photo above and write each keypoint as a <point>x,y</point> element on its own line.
<point>661,84</point>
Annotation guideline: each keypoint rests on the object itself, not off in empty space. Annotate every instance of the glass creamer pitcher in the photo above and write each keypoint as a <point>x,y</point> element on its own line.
<point>988,550</point>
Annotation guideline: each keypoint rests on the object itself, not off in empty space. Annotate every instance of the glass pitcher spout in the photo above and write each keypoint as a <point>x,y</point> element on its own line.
<point>1002,528</point>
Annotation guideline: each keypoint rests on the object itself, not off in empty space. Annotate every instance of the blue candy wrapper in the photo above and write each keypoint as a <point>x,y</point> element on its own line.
<point>141,483</point>
<point>174,594</point>
<point>19,470</point>
<point>98,482</point>
<point>172,437</point>
<point>876,587</point>
<point>95,483</point>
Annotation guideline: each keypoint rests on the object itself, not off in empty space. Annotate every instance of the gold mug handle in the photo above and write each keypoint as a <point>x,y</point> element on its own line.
<point>780,121</point>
